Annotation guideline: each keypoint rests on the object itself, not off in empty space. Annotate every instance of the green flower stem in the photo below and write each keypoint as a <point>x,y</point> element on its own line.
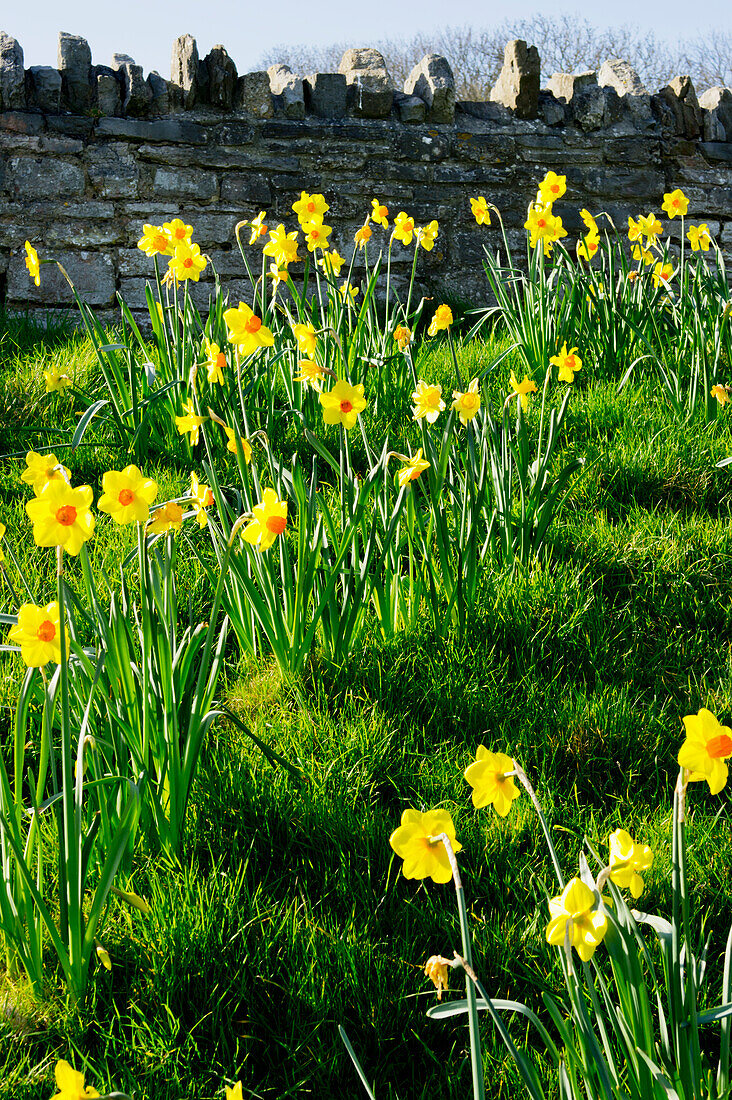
<point>476,1058</point>
<point>523,780</point>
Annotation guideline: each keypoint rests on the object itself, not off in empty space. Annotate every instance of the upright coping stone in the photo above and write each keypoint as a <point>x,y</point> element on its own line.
<point>74,63</point>
<point>517,86</point>
<point>12,74</point>
<point>432,81</point>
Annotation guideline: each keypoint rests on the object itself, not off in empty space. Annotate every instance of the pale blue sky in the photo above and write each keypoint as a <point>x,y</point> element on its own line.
<point>146,29</point>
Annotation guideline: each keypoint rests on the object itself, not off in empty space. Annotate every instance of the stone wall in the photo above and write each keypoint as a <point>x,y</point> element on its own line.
<point>88,154</point>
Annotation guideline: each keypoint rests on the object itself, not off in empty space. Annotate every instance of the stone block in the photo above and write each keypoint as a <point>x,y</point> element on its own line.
<point>185,183</point>
<point>81,233</point>
<point>486,112</point>
<point>44,178</point>
<point>430,145</point>
<point>173,130</point>
<point>551,111</point>
<point>112,170</point>
<point>621,76</point>
<point>287,91</point>
<point>71,125</point>
<point>221,78</point>
<point>233,132</point>
<point>432,81</point>
<point>326,94</point>
<point>12,74</point>
<point>184,69</point>
<point>160,95</point>
<point>410,108</point>
<point>566,85</point>
<point>92,273</point>
<point>719,152</point>
<point>680,96</point>
<point>253,95</point>
<point>119,60</point>
<point>717,106</point>
<point>370,88</point>
<point>44,86</point>
<point>75,66</point>
<point>236,188</point>
<point>109,89</point>
<point>137,91</point>
<point>517,86</point>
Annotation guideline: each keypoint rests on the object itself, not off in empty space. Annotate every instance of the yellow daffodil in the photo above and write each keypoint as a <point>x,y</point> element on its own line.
<point>282,246</point>
<point>675,202</point>
<point>32,263</point>
<point>38,633</point>
<point>169,517</point>
<point>245,445</point>
<point>644,254</point>
<point>721,393</point>
<point>650,227</point>
<point>379,213</point>
<point>331,261</point>
<point>246,330</point>
<point>177,231</point>
<point>699,237</point>
<point>490,777</point>
<point>233,1093</point>
<point>403,228</point>
<point>426,236</point>
<point>349,292</point>
<point>310,208</point>
<point>428,403</point>
<point>479,208</point>
<point>587,248</point>
<point>588,926</point>
<point>543,226</point>
<point>363,235</point>
<point>568,362</point>
<point>441,320</point>
<point>466,404</point>
<point>187,262</point>
<point>215,362</point>
<point>270,520</point>
<point>590,222</point>
<point>523,389</point>
<point>277,275</point>
<point>627,859</point>
<point>40,469</point>
<point>190,421</point>
<point>70,1084</point>
<point>436,969</point>
<point>402,337</point>
<point>342,404</point>
<point>55,381</point>
<point>311,374</point>
<point>306,337</point>
<point>61,516</point>
<point>201,498</point>
<point>127,495</point>
<point>416,842</point>
<point>316,234</point>
<point>257,226</point>
<point>155,241</point>
<point>707,746</point>
<point>662,273</point>
<point>552,187</point>
<point>416,466</point>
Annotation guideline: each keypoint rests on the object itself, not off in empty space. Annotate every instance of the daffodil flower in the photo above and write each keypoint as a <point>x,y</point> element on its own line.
<point>576,907</point>
<point>417,841</point>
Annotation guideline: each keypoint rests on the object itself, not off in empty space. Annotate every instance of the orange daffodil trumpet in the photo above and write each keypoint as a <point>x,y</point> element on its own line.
<point>379,213</point>
<point>127,495</point>
<point>363,235</point>
<point>269,521</point>
<point>480,210</point>
<point>246,330</point>
<point>417,841</point>
<point>38,633</point>
<point>706,748</point>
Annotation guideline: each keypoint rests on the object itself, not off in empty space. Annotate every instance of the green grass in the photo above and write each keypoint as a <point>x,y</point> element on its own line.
<point>287,914</point>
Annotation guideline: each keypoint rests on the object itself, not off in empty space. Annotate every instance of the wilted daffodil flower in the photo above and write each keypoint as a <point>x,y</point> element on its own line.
<point>428,403</point>
<point>416,465</point>
<point>490,776</point>
<point>307,338</point>
<point>416,842</point>
<point>169,517</point>
<point>568,362</point>
<point>270,520</point>
<point>246,330</point>
<point>480,210</point>
<point>721,393</point>
<point>627,859</point>
<point>61,516</point>
<point>588,926</point>
<point>379,213</point>
<point>32,263</point>
<point>190,422</point>
<point>402,337</point>
<point>363,235</point>
<point>38,633</point>
<point>127,495</point>
<point>342,404</point>
<point>437,969</point>
<point>41,469</point>
<point>282,246</point>
<point>523,389</point>
<point>707,746</point>
<point>675,202</point>
<point>466,404</point>
<point>699,237</point>
<point>403,228</point>
<point>70,1084</point>
<point>441,320</point>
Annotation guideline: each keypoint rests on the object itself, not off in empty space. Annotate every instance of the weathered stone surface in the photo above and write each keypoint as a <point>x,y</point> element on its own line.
<point>242,189</point>
<point>112,170</point>
<point>486,112</point>
<point>109,89</point>
<point>621,76</point>
<point>370,88</point>
<point>119,60</point>
<point>187,183</point>
<point>71,125</point>
<point>718,151</point>
<point>551,111</point>
<point>253,95</point>
<point>12,74</point>
<point>74,63</point>
<point>137,91</point>
<point>189,133</point>
<point>326,94</point>
<point>567,85</point>
<point>410,108</point>
<point>287,90</point>
<point>680,96</point>
<point>92,273</point>
<point>44,178</point>
<point>44,88</point>
<point>517,86</point>
<point>717,106</point>
<point>432,81</point>
<point>184,69</point>
<point>160,97</point>
<point>221,78</point>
